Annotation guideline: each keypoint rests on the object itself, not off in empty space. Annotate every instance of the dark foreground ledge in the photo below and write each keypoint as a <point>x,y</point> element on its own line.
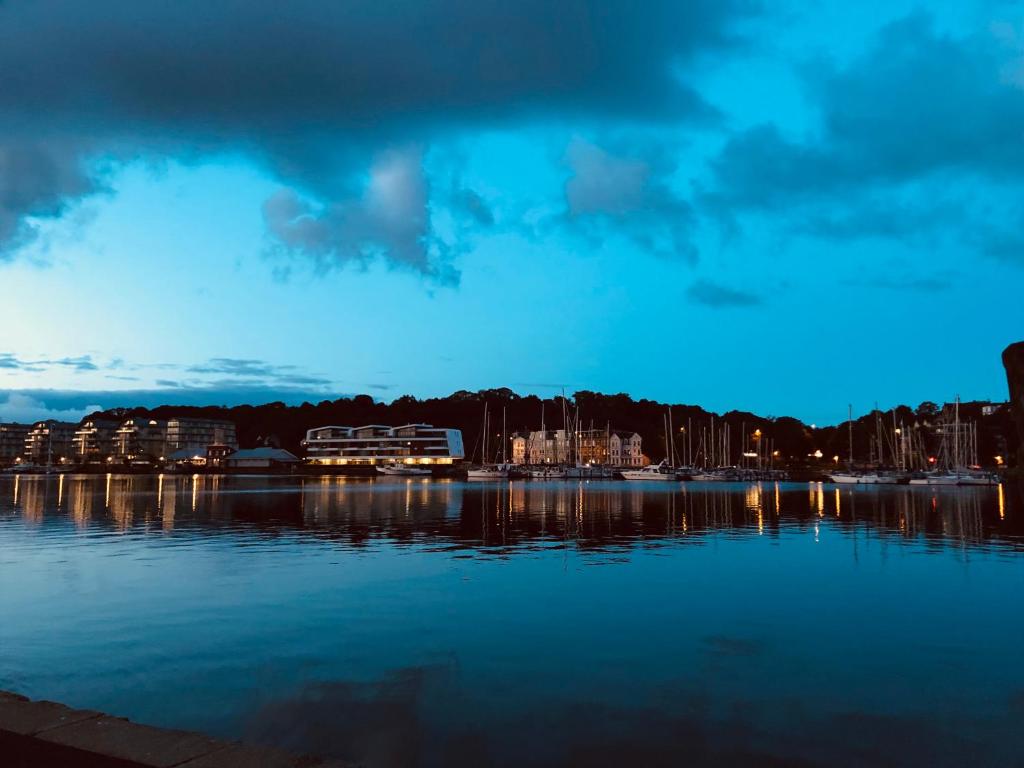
<point>43,733</point>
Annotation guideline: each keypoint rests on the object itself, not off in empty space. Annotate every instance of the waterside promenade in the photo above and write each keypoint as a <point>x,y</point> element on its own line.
<point>38,733</point>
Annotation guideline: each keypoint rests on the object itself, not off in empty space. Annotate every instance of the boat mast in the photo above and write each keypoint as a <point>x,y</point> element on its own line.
<point>504,437</point>
<point>849,423</point>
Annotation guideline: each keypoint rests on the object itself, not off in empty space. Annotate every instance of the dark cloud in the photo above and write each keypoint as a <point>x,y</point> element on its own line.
<point>253,371</point>
<point>916,117</point>
<point>713,295</point>
<point>309,89</point>
<point>30,403</point>
<point>78,364</point>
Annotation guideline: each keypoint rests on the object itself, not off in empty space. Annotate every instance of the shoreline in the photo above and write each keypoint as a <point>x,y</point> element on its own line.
<point>35,733</point>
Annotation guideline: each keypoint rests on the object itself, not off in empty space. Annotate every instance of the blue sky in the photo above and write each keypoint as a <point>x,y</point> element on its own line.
<point>776,207</point>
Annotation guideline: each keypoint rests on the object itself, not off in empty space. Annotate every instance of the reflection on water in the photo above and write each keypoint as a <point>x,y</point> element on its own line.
<point>512,514</point>
<point>419,622</point>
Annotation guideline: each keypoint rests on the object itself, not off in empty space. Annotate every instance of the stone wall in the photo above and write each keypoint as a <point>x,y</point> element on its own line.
<point>1013,361</point>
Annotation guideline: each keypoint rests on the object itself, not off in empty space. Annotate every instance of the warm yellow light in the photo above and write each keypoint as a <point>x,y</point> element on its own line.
<point>818,454</point>
<point>999,460</point>
<point>835,459</point>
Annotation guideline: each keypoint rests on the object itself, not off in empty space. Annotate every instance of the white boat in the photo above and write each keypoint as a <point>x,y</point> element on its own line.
<point>402,470</point>
<point>548,473</point>
<point>978,478</point>
<point>935,478</point>
<point>662,472</point>
<point>855,478</point>
<point>492,472</point>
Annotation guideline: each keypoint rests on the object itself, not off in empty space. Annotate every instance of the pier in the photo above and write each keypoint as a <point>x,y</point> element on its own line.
<point>37,733</point>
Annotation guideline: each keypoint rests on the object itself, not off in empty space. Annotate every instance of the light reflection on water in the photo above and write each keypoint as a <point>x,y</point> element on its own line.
<point>418,622</point>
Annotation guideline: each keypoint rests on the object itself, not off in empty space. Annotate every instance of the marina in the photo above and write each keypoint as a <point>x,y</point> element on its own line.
<point>415,621</point>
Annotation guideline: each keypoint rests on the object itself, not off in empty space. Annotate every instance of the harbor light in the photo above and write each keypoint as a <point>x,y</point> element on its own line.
<point>836,458</point>
<point>818,454</point>
<point>999,461</point>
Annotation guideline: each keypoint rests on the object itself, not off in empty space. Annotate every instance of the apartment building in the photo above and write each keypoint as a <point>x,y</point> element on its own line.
<point>94,440</point>
<point>12,442</point>
<point>50,441</point>
<point>197,434</point>
<point>140,438</point>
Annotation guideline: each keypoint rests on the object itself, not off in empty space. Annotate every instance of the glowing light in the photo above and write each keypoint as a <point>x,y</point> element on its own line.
<point>1002,503</point>
<point>818,454</point>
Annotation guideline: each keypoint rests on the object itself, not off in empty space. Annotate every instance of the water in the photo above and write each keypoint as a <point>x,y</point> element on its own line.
<point>437,623</point>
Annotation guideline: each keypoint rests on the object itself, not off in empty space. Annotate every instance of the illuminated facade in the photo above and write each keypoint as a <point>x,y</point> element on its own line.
<point>376,444</point>
<point>140,438</point>
<point>94,439</point>
<point>50,441</point>
<point>195,434</point>
<point>12,442</point>
<point>550,446</point>
<point>597,447</point>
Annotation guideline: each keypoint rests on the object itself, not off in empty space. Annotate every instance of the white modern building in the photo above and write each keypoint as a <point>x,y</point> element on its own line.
<point>377,444</point>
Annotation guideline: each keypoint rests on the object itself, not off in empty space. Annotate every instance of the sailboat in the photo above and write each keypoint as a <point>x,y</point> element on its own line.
<point>956,458</point>
<point>490,471</point>
<point>850,477</point>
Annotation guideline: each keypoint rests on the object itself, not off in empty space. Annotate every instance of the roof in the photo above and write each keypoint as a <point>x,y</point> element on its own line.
<point>273,454</point>
<point>185,454</point>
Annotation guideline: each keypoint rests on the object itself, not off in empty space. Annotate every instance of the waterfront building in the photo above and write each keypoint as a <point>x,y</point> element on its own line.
<point>624,450</point>
<point>377,444</point>
<point>94,440</point>
<point>611,448</point>
<point>140,438</point>
<point>193,434</point>
<point>548,446</point>
<point>519,441</point>
<point>260,458</point>
<point>50,441</point>
<point>12,442</point>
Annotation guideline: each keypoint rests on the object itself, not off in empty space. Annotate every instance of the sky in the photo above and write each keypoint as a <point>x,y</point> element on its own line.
<point>774,207</point>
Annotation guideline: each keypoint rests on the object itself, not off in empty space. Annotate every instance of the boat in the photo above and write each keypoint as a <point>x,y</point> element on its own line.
<point>978,478</point>
<point>855,478</point>
<point>548,473</point>
<point>402,470</point>
<point>490,471</point>
<point>850,477</point>
<point>935,478</point>
<point>662,472</point>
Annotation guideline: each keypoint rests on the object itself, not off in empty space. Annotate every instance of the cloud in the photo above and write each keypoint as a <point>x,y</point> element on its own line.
<point>73,405</point>
<point>25,408</point>
<point>628,194</point>
<point>308,89</point>
<point>390,217</point>
<point>906,130</point>
<point>78,364</point>
<point>718,296</point>
<point>252,369</point>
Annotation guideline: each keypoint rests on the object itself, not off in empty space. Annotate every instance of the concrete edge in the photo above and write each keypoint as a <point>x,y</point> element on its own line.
<point>36,733</point>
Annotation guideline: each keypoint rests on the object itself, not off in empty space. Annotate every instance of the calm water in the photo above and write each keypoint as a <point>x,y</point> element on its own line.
<point>609,624</point>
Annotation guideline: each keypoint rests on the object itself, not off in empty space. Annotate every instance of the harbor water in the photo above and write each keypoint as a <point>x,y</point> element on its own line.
<point>419,622</point>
